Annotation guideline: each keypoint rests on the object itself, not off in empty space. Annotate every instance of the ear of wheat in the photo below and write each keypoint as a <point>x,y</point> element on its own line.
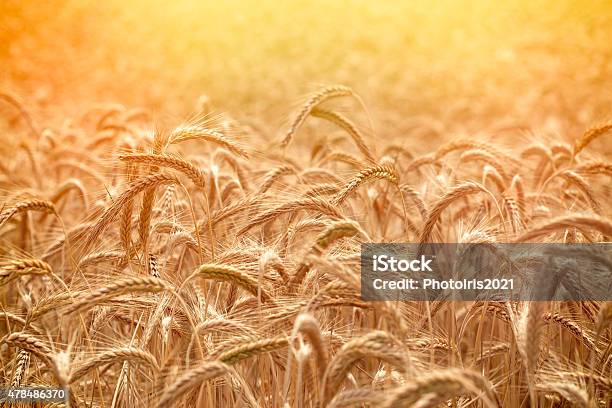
<point>371,173</point>
<point>319,97</point>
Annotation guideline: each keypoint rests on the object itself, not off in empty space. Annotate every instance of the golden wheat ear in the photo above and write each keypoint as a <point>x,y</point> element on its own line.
<point>334,91</point>
<point>368,174</point>
<point>590,135</point>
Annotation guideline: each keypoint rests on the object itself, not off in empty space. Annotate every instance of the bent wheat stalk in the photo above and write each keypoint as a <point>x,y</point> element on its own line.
<point>334,91</point>
<point>205,371</point>
<point>274,175</point>
<point>371,173</point>
<point>335,231</point>
<point>121,287</point>
<point>375,344</point>
<point>117,355</point>
<point>244,351</point>
<point>350,398</point>
<point>349,127</point>
<point>308,203</point>
<point>11,270</point>
<point>29,205</point>
<point>230,274</point>
<point>166,160</point>
<point>111,213</point>
<point>194,132</point>
<point>452,382</point>
<point>30,343</point>
<point>590,135</point>
<point>582,222</point>
<point>447,199</point>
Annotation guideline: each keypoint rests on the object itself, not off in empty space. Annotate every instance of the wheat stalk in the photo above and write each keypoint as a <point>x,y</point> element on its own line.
<point>29,205</point>
<point>451,382</point>
<point>582,222</point>
<point>249,349</point>
<point>118,288</point>
<point>194,132</point>
<point>273,175</point>
<point>349,127</point>
<point>334,91</point>
<point>114,355</point>
<point>335,231</point>
<point>110,214</point>
<point>368,174</point>
<point>374,345</point>
<point>11,270</point>
<point>590,135</point>
<point>205,371</point>
<point>308,203</point>
<point>166,160</point>
<point>452,195</point>
<point>230,274</point>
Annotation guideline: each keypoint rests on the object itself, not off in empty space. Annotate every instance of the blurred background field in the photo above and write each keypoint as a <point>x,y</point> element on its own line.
<point>424,69</point>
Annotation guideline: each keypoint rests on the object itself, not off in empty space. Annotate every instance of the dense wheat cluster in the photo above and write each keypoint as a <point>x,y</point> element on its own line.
<point>215,261</point>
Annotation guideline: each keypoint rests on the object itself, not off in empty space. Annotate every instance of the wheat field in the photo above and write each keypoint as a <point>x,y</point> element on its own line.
<point>186,230</point>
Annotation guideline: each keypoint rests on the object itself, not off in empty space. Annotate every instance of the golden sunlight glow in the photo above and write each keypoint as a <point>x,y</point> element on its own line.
<point>513,60</point>
<point>239,203</point>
